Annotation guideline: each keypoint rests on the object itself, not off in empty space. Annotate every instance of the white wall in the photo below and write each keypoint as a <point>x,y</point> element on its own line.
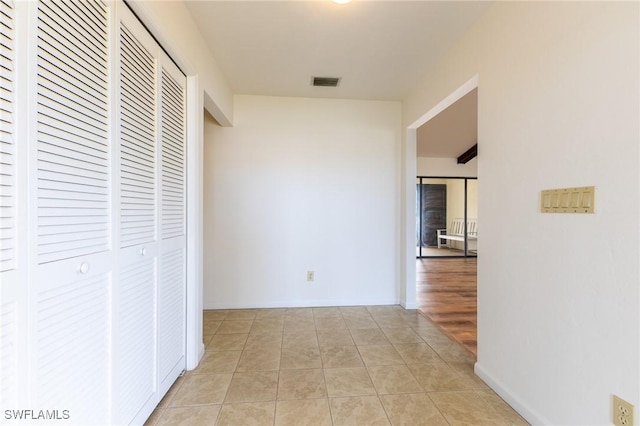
<point>302,184</point>
<point>558,294</point>
<point>448,167</point>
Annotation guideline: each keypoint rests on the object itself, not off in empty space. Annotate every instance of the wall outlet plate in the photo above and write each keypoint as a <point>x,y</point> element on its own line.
<point>623,412</point>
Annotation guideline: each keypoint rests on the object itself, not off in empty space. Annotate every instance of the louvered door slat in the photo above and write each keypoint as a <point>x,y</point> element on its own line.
<point>69,229</point>
<point>174,186</point>
<point>74,316</point>
<point>7,142</point>
<point>70,40</point>
<point>46,178</point>
<point>51,122</point>
<point>170,127</point>
<point>61,169</point>
<point>67,199</point>
<point>136,229</point>
<point>72,105</point>
<point>94,9</point>
<point>136,334</point>
<point>137,145</point>
<point>75,17</point>
<point>72,128</point>
<point>70,221</point>
<point>173,157</point>
<point>133,80</point>
<point>63,75</point>
<point>76,160</point>
<point>8,354</point>
<point>55,48</point>
<point>172,148</point>
<point>6,65</point>
<point>171,124</point>
<point>79,247</point>
<point>139,190</point>
<point>171,287</point>
<point>171,319</point>
<point>137,161</point>
<point>13,274</point>
<point>73,139</point>
<point>139,57</point>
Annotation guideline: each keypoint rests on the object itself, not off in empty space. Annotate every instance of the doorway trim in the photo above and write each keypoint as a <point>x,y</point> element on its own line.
<point>408,292</point>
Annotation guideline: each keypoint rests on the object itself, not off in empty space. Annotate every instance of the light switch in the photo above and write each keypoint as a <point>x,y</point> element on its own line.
<point>575,199</point>
<point>568,200</point>
<point>588,199</point>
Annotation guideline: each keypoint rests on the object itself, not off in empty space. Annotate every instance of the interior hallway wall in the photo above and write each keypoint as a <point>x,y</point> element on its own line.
<point>302,185</point>
<point>558,294</point>
<point>448,167</point>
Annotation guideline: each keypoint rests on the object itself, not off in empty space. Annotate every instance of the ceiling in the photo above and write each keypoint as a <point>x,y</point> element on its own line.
<point>453,131</point>
<point>379,49</point>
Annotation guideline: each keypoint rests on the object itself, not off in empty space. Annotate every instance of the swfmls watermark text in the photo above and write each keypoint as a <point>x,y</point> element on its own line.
<point>31,415</point>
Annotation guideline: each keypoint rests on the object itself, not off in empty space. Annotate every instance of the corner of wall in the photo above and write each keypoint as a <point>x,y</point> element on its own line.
<point>516,403</point>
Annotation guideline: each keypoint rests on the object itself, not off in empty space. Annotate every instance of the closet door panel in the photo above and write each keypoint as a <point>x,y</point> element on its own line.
<point>72,211</point>
<point>135,333</point>
<point>7,139</point>
<point>136,339</point>
<point>172,283</point>
<point>92,212</point>
<point>73,350</point>
<point>73,157</point>
<point>9,278</point>
<point>8,354</point>
<point>171,317</point>
<point>137,111</point>
<point>173,153</point>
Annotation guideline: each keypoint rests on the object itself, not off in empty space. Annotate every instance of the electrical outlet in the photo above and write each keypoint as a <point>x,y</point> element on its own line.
<point>310,275</point>
<point>622,412</point>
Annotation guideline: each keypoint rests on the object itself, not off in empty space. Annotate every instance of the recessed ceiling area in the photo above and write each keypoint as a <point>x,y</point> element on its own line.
<point>452,132</point>
<point>380,49</point>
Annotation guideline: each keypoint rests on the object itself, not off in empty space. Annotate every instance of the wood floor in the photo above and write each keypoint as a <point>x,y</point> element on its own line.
<point>447,295</point>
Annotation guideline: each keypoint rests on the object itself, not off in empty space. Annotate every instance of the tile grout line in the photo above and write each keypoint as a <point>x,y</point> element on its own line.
<point>378,318</point>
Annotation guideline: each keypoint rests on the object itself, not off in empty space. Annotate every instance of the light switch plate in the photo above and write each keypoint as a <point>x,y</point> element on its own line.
<point>568,200</point>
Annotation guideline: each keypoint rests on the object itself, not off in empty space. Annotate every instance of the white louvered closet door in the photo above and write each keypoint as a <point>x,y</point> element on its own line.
<point>7,141</point>
<point>72,211</point>
<point>12,280</point>
<point>92,212</point>
<point>172,279</point>
<point>135,339</point>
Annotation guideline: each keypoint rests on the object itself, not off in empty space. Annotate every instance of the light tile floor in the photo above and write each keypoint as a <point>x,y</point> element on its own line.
<point>376,365</point>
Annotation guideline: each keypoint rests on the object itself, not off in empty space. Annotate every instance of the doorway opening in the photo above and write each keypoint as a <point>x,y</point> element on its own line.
<point>446,217</point>
<point>445,287</point>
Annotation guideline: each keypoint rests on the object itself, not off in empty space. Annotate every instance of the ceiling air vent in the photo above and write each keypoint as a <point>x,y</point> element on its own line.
<point>326,81</point>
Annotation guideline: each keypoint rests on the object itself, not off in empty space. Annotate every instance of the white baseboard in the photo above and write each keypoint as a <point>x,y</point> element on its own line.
<point>303,304</point>
<point>202,349</point>
<point>516,403</point>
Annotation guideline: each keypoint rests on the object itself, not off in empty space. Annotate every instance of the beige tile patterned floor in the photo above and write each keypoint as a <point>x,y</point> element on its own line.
<point>376,365</point>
